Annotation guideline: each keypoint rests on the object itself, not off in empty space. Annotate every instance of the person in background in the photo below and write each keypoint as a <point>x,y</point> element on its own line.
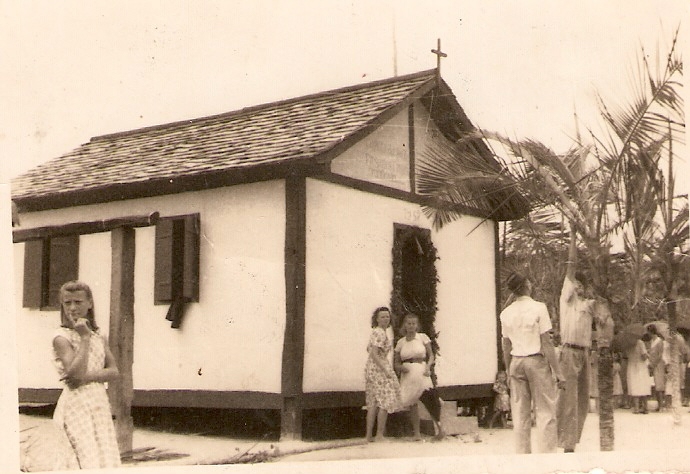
<point>501,400</point>
<point>678,358</point>
<point>413,360</point>
<point>82,416</point>
<point>658,365</point>
<point>381,386</point>
<point>682,364</point>
<point>639,384</point>
<point>532,368</point>
<point>617,381</point>
<point>627,402</point>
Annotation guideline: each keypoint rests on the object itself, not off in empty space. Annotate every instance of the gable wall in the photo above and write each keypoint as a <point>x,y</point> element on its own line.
<point>383,157</point>
<point>239,322</point>
<point>349,273</point>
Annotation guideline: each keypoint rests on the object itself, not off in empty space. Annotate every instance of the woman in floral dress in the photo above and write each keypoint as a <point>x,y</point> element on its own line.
<point>82,416</point>
<point>381,385</point>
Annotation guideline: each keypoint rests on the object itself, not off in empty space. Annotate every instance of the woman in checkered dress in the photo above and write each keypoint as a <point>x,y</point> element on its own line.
<point>84,362</point>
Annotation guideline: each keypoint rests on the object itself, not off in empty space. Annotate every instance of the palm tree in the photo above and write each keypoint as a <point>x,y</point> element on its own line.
<point>590,185</point>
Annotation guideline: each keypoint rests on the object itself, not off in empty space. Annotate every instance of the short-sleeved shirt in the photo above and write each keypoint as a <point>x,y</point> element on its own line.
<point>414,349</point>
<point>523,322</point>
<point>576,316</point>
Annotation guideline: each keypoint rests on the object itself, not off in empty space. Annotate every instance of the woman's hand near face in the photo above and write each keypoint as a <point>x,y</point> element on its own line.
<point>82,327</point>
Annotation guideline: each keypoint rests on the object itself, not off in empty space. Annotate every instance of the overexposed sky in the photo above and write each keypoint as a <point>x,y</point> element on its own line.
<point>80,69</point>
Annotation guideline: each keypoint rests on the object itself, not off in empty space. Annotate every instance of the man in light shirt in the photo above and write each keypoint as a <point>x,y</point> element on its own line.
<point>532,367</point>
<point>576,313</point>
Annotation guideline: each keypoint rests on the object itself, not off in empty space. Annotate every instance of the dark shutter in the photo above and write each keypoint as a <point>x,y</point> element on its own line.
<point>63,267</point>
<point>34,273</point>
<point>163,285</point>
<point>190,283</point>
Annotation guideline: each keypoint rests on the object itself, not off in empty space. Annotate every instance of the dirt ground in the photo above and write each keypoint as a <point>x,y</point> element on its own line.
<point>644,443</point>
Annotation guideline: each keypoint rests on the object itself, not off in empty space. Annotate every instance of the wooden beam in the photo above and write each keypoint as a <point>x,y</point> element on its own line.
<point>292,374</point>
<point>399,194</point>
<point>411,143</point>
<point>166,185</point>
<point>333,399</point>
<point>250,400</point>
<point>498,292</point>
<point>466,392</point>
<point>208,399</point>
<point>121,336</point>
<point>82,228</point>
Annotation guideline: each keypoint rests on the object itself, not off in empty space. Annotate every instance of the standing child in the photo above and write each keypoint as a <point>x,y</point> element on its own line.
<point>82,416</point>
<point>617,382</point>
<point>502,400</point>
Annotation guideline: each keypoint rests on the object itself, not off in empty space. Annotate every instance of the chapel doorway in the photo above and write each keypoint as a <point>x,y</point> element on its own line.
<point>415,277</point>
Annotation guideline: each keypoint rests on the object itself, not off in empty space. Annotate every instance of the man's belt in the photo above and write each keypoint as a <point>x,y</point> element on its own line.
<point>575,346</point>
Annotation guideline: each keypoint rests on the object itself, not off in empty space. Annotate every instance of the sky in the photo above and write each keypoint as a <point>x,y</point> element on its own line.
<point>83,69</point>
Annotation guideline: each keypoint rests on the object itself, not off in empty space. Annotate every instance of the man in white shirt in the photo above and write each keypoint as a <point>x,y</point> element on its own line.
<point>532,367</point>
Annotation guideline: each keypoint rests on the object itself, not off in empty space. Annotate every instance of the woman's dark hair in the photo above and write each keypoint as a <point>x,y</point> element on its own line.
<point>646,337</point>
<point>517,284</point>
<point>374,322</point>
<point>71,287</point>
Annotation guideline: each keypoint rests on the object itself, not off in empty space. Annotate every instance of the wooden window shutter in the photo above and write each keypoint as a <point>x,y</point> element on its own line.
<point>163,278</point>
<point>63,267</point>
<point>35,275</point>
<point>190,272</point>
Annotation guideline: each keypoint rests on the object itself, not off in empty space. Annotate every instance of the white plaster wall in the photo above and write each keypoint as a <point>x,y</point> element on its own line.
<point>349,273</point>
<point>466,292</point>
<point>382,157</point>
<point>35,328</point>
<point>232,339</point>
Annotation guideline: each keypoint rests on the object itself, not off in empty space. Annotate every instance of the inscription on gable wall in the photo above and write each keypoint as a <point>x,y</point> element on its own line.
<point>382,158</point>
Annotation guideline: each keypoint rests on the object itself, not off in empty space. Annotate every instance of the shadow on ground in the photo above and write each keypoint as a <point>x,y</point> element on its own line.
<point>318,425</point>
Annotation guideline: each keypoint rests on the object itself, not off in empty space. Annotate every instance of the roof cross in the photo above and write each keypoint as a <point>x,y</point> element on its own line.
<point>439,54</point>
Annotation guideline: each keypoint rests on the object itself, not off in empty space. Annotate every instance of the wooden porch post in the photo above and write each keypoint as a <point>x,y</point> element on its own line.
<point>293,345</point>
<point>121,337</point>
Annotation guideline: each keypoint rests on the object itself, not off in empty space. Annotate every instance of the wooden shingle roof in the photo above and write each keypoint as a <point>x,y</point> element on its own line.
<point>254,143</point>
<point>291,130</point>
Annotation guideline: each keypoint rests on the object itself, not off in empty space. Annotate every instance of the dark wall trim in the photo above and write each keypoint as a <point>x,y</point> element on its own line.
<point>395,193</point>
<point>411,142</point>
<point>466,392</point>
<point>249,400</point>
<point>169,185</point>
<point>173,398</point>
<point>499,294</point>
<point>39,395</point>
<point>206,399</point>
<point>82,228</point>
<point>334,399</point>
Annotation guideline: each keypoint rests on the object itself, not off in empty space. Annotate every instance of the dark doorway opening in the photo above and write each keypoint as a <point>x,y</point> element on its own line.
<point>415,277</point>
